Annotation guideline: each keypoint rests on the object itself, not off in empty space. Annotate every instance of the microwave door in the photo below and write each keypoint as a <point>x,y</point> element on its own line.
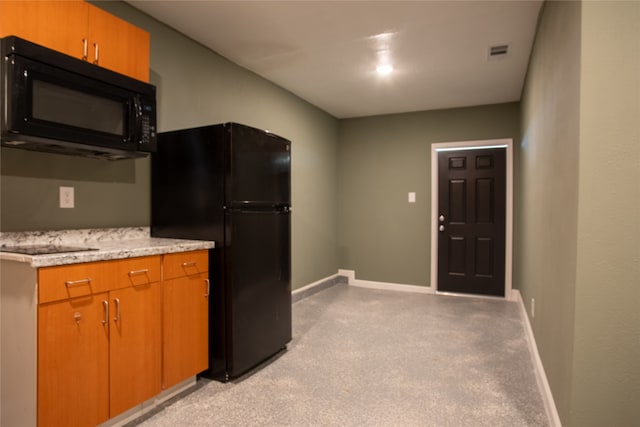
<point>55,103</point>
<point>50,103</point>
<point>58,103</point>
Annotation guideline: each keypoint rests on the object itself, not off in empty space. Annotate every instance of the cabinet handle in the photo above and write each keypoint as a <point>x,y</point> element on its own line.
<point>136,272</point>
<point>85,49</point>
<point>96,56</point>
<point>117,302</point>
<point>78,282</point>
<point>189,264</point>
<point>105,305</point>
<point>208,288</point>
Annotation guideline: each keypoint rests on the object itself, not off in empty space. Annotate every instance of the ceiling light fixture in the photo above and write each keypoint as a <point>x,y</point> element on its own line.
<point>384,69</point>
<point>382,46</point>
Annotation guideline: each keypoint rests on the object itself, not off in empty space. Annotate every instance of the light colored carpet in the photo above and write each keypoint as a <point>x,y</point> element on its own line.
<point>373,357</point>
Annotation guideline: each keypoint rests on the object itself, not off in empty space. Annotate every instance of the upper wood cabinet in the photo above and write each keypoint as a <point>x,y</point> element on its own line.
<point>60,25</point>
<point>118,45</point>
<point>80,30</point>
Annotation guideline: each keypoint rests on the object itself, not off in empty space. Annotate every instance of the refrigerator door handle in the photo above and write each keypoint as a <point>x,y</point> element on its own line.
<point>261,212</point>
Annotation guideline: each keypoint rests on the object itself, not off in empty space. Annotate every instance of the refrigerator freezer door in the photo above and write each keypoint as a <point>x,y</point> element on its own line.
<point>259,276</point>
<point>187,191</point>
<point>259,167</point>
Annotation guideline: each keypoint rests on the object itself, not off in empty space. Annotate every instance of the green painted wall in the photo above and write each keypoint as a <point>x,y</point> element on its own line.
<point>606,357</point>
<point>578,204</point>
<point>195,87</point>
<point>546,192</point>
<point>383,158</point>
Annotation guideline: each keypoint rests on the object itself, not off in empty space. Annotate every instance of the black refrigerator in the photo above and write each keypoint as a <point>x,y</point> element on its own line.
<point>231,183</point>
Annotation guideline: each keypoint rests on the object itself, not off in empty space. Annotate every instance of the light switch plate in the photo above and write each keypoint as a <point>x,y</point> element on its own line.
<point>67,197</point>
<point>412,197</point>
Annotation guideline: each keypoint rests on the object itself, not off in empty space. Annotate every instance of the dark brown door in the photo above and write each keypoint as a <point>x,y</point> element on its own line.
<point>471,221</point>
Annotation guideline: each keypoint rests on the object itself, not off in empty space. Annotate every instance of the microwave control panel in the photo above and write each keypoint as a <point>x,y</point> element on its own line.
<point>147,139</point>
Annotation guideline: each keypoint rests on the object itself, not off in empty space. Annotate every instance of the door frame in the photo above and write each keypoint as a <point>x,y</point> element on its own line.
<point>508,253</point>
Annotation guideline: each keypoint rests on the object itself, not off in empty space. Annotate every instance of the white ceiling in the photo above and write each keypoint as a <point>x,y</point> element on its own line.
<point>326,52</point>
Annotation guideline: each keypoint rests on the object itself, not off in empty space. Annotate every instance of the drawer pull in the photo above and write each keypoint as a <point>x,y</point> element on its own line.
<point>96,56</point>
<point>85,52</point>
<point>136,272</point>
<point>208,288</point>
<point>189,264</point>
<point>78,282</point>
<point>117,302</point>
<point>105,305</point>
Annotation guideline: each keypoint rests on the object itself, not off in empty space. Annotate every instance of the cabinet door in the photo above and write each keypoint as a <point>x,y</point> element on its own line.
<point>135,350</point>
<point>118,45</point>
<point>73,369</point>
<point>60,25</point>
<point>186,328</point>
<point>66,25</point>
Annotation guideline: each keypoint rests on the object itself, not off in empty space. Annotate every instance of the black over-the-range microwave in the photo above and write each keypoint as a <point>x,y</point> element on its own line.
<point>56,103</point>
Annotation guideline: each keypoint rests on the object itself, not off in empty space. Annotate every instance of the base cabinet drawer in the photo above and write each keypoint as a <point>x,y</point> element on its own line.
<point>72,281</point>
<point>185,264</point>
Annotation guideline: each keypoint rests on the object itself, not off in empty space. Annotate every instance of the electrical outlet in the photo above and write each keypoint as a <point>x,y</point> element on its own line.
<point>67,197</point>
<point>533,308</point>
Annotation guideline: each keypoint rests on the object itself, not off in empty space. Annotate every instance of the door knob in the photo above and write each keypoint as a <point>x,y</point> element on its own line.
<point>441,228</point>
<point>441,218</point>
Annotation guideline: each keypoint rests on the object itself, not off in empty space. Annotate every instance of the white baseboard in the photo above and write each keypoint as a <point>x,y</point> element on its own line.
<point>314,284</point>
<point>476,296</point>
<point>541,377</point>
<point>384,285</point>
<point>349,274</point>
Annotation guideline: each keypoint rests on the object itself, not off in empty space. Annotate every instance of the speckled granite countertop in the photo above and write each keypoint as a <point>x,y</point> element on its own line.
<point>110,243</point>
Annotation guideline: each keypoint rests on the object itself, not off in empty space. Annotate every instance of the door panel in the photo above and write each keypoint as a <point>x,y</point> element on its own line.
<point>73,369</point>
<point>259,275</point>
<point>458,201</point>
<point>471,241</point>
<point>485,201</point>
<point>135,350</point>
<point>185,321</point>
<point>187,184</point>
<point>60,25</point>
<point>122,47</point>
<point>260,165</point>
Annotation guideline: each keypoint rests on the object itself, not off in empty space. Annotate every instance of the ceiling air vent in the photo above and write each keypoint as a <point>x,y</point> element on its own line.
<point>498,51</point>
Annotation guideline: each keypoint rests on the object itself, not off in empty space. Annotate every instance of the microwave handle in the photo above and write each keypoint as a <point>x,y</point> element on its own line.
<point>136,131</point>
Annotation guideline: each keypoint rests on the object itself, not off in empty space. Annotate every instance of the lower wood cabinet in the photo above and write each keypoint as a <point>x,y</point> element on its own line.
<point>83,343</point>
<point>113,334</point>
<point>185,316</point>
<point>73,362</point>
<point>134,347</point>
<point>100,348</point>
